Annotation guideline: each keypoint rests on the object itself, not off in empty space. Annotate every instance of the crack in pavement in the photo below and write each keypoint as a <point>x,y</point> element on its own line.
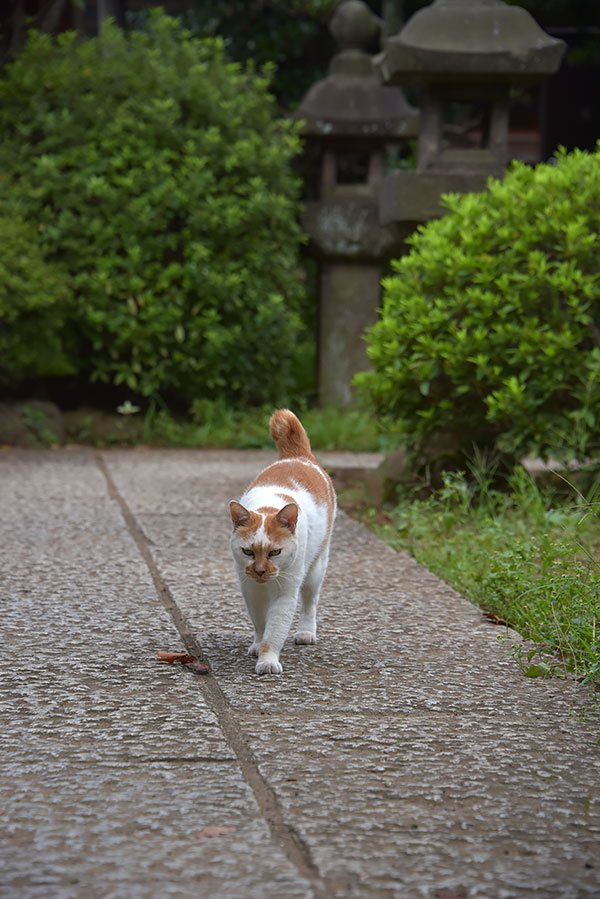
<point>283,833</point>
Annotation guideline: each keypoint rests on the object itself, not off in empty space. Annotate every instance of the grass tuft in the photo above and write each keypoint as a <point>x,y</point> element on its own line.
<point>215,424</point>
<point>527,555</point>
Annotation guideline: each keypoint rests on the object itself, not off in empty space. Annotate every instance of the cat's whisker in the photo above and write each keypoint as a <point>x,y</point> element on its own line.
<point>282,577</point>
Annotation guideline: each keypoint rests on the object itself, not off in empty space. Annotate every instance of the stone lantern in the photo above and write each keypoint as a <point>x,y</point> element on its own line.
<point>465,55</point>
<point>357,124</point>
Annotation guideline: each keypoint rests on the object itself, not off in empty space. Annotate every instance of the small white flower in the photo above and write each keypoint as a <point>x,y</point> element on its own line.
<point>127,408</point>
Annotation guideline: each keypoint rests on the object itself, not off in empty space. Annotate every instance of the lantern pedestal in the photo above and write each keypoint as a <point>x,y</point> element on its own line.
<point>349,303</point>
<point>410,198</point>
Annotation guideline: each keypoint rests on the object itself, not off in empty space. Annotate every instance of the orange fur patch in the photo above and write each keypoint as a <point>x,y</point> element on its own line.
<point>270,570</point>
<point>286,498</point>
<point>247,530</point>
<point>277,532</point>
<point>261,568</point>
<point>264,648</point>
<point>293,473</point>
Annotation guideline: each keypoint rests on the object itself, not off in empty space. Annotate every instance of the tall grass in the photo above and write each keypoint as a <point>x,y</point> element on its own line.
<point>527,555</point>
<point>216,424</point>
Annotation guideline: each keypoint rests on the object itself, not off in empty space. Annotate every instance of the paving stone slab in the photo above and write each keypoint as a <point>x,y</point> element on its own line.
<point>403,756</point>
<point>112,764</point>
<point>406,748</point>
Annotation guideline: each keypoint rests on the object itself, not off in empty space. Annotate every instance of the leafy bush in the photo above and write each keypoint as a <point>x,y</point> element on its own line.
<point>490,329</point>
<point>157,176</point>
<point>34,297</point>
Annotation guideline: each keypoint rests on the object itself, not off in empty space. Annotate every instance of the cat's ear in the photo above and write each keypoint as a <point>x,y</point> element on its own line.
<point>288,517</point>
<point>239,515</point>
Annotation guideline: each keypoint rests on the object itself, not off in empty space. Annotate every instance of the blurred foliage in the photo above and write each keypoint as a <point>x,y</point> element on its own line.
<point>34,302</point>
<point>490,330</point>
<point>153,172</point>
<point>293,35</point>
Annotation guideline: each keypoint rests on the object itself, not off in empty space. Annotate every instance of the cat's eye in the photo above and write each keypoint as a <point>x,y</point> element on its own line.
<point>247,552</point>
<point>275,552</point>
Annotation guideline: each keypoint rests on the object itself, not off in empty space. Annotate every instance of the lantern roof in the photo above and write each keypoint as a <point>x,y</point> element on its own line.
<point>351,101</point>
<point>459,39</point>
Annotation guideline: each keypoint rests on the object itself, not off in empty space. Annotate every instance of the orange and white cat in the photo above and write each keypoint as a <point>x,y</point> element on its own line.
<point>280,543</point>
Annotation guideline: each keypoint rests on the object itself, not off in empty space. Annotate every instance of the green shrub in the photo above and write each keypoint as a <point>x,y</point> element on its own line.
<point>34,298</point>
<point>157,176</point>
<point>490,328</point>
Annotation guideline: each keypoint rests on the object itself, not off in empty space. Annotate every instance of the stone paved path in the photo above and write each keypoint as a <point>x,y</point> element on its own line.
<point>403,756</point>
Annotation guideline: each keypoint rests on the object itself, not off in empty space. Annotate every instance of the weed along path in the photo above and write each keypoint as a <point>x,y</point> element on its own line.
<point>402,756</point>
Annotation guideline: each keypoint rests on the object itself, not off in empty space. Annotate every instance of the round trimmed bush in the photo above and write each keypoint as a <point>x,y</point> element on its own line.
<point>157,177</point>
<point>490,328</point>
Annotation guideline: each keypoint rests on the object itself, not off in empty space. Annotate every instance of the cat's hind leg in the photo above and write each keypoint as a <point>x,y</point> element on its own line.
<point>309,594</point>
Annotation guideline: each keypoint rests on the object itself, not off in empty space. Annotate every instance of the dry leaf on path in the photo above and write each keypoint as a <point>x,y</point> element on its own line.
<point>171,657</point>
<point>495,619</point>
<point>185,659</point>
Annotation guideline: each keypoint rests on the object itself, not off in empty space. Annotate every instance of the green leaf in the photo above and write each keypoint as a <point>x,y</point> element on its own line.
<point>539,669</point>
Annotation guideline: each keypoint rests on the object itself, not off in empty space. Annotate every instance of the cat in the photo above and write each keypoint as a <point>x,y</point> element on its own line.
<point>280,543</point>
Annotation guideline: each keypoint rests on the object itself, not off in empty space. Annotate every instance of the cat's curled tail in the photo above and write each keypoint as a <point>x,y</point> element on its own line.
<point>290,437</point>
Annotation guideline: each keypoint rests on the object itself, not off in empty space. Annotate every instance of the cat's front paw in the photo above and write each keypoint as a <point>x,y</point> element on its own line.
<point>269,666</point>
<point>305,638</point>
<point>253,650</point>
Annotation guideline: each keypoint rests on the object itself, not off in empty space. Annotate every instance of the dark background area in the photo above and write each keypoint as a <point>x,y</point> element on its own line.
<point>293,34</point>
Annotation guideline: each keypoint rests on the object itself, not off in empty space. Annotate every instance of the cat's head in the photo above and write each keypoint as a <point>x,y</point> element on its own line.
<point>263,542</point>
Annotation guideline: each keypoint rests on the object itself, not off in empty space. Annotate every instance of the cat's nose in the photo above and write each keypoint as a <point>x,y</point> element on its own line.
<point>260,569</point>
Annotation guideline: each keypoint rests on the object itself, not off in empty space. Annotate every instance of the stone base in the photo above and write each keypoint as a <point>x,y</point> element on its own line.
<point>414,196</point>
<point>350,297</point>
